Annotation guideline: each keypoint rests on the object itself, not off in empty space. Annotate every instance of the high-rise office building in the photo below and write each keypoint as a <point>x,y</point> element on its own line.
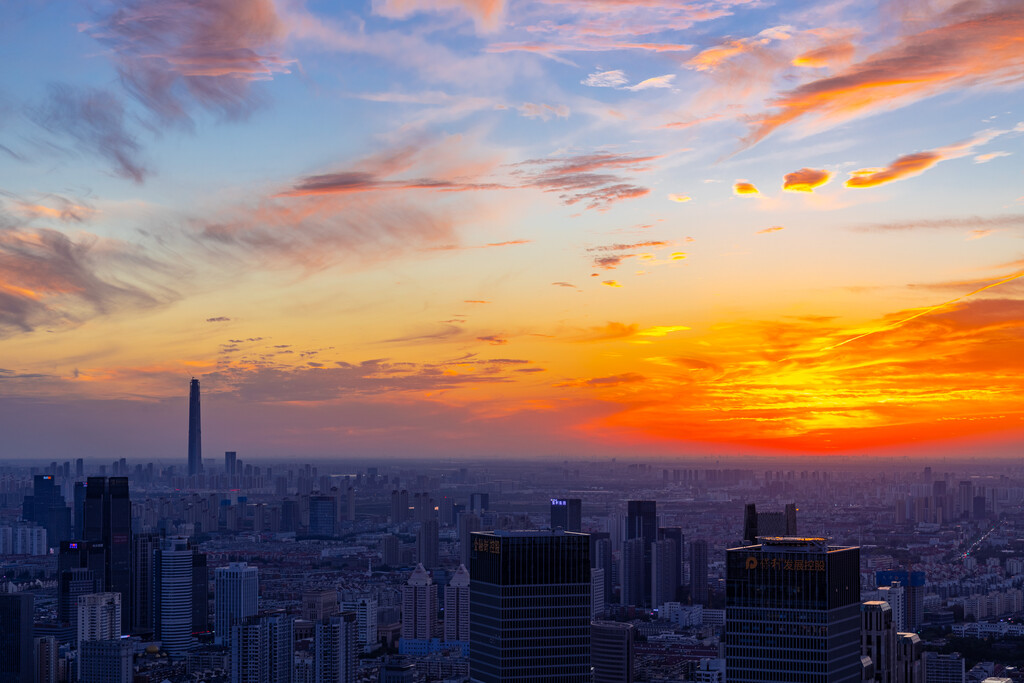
<point>106,661</point>
<point>529,606</point>
<point>399,506</point>
<point>336,649</point>
<point>642,522</point>
<point>913,584</point>
<point>427,543</point>
<point>144,548</point>
<point>567,513</point>
<point>456,607</point>
<point>793,612</point>
<point>896,596</point>
<point>699,572</point>
<point>908,658</point>
<point>675,534</point>
<point>99,617</point>
<point>633,573</point>
<point>597,595</point>
<point>17,660</point>
<point>468,523</point>
<point>878,639</point>
<point>230,458</point>
<point>235,596</point>
<point>195,438</point>
<point>366,619</point>
<point>72,583</point>
<point>108,520</point>
<point>47,659</point>
<point>611,651</point>
<point>419,606</point>
<point>323,513</point>
<point>47,508</point>
<point>664,571</point>
<point>173,592</point>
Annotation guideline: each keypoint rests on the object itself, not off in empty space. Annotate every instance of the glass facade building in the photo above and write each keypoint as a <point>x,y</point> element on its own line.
<point>529,606</point>
<point>793,612</point>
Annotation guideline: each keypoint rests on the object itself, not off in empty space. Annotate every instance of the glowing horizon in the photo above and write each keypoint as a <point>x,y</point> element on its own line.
<point>466,227</point>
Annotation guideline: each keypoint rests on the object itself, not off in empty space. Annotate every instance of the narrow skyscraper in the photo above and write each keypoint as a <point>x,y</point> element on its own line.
<point>195,439</point>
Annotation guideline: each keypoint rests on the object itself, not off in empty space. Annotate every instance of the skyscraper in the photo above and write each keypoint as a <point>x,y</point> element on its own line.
<point>611,651</point>
<point>173,595</point>
<point>336,649</point>
<point>456,607</point>
<point>47,508</point>
<point>878,639</point>
<point>699,572</point>
<point>664,571</point>
<point>323,511</point>
<point>195,439</point>
<point>230,457</point>
<point>793,612</point>
<point>263,649</point>
<point>235,594</point>
<point>108,520</point>
<point>99,617</point>
<point>642,522</point>
<point>143,550</point>
<point>529,604</point>
<point>567,513</point>
<point>633,573</point>
<point>419,608</point>
<point>17,663</point>
<point>47,659</point>
<point>427,542</point>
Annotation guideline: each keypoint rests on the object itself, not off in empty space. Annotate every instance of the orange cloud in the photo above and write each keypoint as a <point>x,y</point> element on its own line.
<point>611,283</point>
<point>742,187</point>
<point>774,228</point>
<point>806,180</point>
<point>680,198</point>
<point>488,14</point>
<point>840,52</point>
<point>972,50</point>
<point>905,166</point>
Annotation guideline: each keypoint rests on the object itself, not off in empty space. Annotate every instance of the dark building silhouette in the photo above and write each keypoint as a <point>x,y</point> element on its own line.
<point>81,569</point>
<point>323,513</point>
<point>17,655</point>
<point>427,543</point>
<point>530,607</point>
<point>230,459</point>
<point>200,592</point>
<point>699,572</point>
<point>195,438</point>
<point>567,513</point>
<point>634,576</point>
<point>793,612</point>
<point>642,523</point>
<point>768,524</point>
<point>611,651</point>
<point>143,548</point>
<point>601,558</point>
<point>675,534</point>
<point>108,520</point>
<point>47,508</point>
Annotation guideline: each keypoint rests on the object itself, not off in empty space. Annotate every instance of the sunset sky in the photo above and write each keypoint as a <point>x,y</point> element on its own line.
<point>512,228</point>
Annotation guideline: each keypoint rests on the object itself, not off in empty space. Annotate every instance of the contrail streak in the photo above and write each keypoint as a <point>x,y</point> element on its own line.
<point>926,311</point>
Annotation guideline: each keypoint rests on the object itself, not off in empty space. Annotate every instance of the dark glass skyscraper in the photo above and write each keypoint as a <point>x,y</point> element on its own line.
<point>642,522</point>
<point>108,520</point>
<point>567,513</point>
<point>47,508</point>
<point>793,612</point>
<point>529,607</point>
<point>17,663</point>
<point>195,439</point>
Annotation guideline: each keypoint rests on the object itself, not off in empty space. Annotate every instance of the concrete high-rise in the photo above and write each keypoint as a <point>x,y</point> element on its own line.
<point>263,649</point>
<point>144,548</point>
<point>17,661</point>
<point>611,651</point>
<point>108,520</point>
<point>878,639</point>
<point>99,617</point>
<point>793,612</point>
<point>427,542</point>
<point>419,606</point>
<point>664,571</point>
<point>530,608</point>
<point>633,573</point>
<point>456,607</point>
<point>235,596</point>
<point>47,660</point>
<point>106,661</point>
<point>47,508</point>
<point>195,438</point>
<point>336,649</point>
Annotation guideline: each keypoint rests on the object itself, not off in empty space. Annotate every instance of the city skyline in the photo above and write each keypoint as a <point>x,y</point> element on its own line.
<point>477,228</point>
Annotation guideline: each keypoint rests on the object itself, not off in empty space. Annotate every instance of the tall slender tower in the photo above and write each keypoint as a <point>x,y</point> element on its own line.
<point>195,439</point>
